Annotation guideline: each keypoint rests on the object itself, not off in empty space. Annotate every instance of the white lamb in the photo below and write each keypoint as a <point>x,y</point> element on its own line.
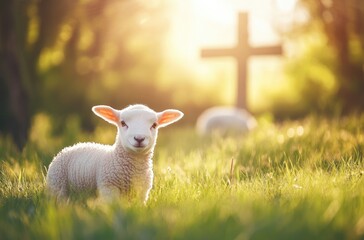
<point>125,168</point>
<point>225,121</point>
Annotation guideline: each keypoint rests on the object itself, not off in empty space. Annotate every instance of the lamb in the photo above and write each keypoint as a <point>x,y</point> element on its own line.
<point>225,121</point>
<point>124,168</point>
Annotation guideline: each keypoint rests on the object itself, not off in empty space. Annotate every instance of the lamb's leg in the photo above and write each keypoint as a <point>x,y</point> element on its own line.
<point>57,184</point>
<point>144,196</point>
<point>141,191</point>
<point>109,193</point>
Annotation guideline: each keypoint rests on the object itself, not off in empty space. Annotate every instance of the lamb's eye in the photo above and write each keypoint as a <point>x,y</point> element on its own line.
<point>154,125</point>
<point>123,124</point>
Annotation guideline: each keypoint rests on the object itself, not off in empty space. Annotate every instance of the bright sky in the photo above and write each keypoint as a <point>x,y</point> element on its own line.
<point>201,24</point>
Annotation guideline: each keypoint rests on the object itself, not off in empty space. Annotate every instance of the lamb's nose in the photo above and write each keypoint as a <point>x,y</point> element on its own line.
<point>139,139</point>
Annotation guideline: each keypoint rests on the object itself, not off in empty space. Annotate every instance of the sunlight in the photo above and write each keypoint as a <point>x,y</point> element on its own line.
<point>286,5</point>
<point>218,11</point>
<point>199,24</point>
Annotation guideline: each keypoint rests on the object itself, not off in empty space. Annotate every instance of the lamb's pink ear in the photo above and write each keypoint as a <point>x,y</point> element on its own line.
<point>107,113</point>
<point>168,116</point>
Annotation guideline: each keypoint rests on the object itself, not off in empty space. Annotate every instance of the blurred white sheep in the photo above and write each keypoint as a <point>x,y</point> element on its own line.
<point>225,121</point>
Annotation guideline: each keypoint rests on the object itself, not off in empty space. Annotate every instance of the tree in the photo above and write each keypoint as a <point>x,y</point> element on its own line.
<point>14,82</point>
<point>19,58</point>
<point>53,54</point>
<point>343,24</point>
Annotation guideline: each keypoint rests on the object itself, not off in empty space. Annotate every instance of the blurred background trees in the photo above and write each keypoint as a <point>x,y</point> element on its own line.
<point>342,23</point>
<point>62,57</point>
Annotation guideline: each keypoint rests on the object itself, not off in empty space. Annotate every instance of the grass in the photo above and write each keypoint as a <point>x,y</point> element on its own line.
<point>294,180</point>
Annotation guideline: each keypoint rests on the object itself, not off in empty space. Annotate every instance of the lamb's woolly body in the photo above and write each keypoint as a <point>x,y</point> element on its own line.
<point>125,168</point>
<point>87,167</point>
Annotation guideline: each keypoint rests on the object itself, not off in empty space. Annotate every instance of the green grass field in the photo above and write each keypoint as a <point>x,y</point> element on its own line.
<point>293,180</point>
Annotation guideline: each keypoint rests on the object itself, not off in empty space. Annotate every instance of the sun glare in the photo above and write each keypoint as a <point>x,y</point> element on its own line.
<point>199,24</point>
<point>218,11</point>
<point>286,5</point>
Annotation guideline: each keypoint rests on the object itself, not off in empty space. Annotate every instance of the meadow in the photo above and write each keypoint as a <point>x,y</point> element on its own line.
<point>290,180</point>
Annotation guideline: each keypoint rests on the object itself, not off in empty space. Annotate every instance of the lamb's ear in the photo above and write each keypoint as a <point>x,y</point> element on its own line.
<point>107,113</point>
<point>168,116</point>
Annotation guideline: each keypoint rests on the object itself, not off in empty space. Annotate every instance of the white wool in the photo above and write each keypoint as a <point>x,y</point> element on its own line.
<point>125,168</point>
<point>225,121</point>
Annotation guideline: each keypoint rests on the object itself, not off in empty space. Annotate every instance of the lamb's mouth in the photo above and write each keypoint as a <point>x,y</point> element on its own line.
<point>139,146</point>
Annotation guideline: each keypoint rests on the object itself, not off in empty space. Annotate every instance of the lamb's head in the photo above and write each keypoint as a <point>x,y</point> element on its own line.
<point>137,124</point>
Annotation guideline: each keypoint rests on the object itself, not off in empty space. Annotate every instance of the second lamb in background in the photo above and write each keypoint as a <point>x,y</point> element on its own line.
<point>225,121</point>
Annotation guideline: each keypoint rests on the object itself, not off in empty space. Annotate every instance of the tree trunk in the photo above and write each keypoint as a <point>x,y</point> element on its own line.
<point>14,104</point>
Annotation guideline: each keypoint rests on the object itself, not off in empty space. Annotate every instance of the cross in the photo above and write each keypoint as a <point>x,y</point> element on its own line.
<point>241,52</point>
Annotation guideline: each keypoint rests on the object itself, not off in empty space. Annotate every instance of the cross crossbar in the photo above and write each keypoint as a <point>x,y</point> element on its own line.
<point>241,52</point>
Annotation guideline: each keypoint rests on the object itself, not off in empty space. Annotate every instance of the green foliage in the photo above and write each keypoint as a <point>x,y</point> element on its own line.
<point>311,78</point>
<point>295,180</point>
<point>340,22</point>
<point>103,52</point>
<point>325,60</point>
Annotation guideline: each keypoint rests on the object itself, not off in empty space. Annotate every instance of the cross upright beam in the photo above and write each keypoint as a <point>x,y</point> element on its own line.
<point>241,52</point>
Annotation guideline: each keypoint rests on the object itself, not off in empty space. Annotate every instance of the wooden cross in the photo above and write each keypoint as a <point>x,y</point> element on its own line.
<point>241,52</point>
